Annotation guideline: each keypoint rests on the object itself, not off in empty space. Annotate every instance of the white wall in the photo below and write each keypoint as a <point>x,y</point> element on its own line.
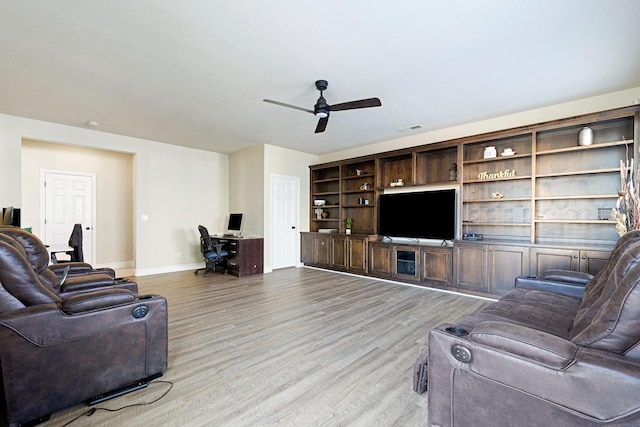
<point>178,188</point>
<point>250,188</point>
<point>114,193</point>
<point>246,194</point>
<point>569,109</point>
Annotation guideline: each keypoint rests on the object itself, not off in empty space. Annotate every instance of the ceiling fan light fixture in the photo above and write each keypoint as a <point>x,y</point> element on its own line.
<point>322,114</point>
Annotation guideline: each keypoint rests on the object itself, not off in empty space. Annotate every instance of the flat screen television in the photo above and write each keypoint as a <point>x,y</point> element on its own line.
<point>235,222</point>
<point>420,215</point>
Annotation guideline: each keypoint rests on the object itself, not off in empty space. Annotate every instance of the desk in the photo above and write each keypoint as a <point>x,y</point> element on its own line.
<point>58,249</point>
<point>246,254</point>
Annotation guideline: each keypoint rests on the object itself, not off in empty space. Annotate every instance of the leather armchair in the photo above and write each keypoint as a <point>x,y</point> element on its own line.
<point>81,276</point>
<point>58,350</point>
<point>538,357</point>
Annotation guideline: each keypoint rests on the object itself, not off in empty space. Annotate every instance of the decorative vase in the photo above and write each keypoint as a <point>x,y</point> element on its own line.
<point>585,136</point>
<point>348,231</point>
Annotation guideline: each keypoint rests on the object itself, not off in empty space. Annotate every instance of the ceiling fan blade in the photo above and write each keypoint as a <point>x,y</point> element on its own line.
<point>352,105</point>
<point>322,125</point>
<point>282,104</point>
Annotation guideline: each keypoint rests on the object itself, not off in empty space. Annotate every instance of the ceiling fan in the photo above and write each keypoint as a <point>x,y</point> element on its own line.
<point>321,110</point>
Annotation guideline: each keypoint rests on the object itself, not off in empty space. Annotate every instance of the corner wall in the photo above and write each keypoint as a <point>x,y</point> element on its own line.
<point>176,187</point>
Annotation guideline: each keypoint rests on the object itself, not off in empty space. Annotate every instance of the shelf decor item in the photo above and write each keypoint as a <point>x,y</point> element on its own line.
<point>453,172</point>
<point>585,136</point>
<point>490,152</point>
<point>347,224</point>
<point>627,210</point>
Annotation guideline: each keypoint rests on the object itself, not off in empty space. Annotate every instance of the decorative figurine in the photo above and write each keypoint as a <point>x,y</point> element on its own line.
<point>453,172</point>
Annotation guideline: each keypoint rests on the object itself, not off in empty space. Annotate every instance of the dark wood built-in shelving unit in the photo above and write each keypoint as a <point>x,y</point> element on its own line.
<point>537,208</point>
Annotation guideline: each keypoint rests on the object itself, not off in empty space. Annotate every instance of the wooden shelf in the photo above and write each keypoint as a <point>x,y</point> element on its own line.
<point>577,221</point>
<point>514,224</point>
<point>498,158</point>
<point>511,199</point>
<point>582,172</point>
<point>576,197</point>
<point>585,147</point>
<point>488,181</point>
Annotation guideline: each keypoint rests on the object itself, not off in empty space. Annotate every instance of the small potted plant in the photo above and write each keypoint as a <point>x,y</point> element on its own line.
<point>347,224</point>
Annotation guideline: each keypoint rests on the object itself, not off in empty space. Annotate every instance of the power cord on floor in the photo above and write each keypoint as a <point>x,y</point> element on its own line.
<point>94,410</point>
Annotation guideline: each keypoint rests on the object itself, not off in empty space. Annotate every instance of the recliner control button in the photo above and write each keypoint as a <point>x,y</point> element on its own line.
<point>461,354</point>
<point>140,311</point>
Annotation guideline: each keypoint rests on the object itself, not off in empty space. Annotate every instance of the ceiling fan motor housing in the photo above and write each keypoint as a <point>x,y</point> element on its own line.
<point>321,85</point>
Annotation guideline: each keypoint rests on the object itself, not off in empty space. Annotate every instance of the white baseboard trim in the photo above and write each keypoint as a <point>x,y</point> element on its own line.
<point>116,265</point>
<point>426,288</point>
<point>167,269</point>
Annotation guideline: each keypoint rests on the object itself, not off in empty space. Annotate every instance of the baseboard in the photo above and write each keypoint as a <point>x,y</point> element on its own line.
<point>116,265</point>
<point>167,269</point>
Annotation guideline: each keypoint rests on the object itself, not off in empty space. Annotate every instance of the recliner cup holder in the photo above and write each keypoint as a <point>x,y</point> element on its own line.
<point>457,330</point>
<point>145,297</point>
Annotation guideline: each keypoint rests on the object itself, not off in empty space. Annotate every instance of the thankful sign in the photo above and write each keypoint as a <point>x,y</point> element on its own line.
<point>507,173</point>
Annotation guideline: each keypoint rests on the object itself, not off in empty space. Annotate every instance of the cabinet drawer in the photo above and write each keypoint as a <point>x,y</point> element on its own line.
<point>233,265</point>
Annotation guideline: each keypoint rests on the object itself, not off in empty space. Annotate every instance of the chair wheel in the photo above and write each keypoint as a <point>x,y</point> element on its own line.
<point>195,272</point>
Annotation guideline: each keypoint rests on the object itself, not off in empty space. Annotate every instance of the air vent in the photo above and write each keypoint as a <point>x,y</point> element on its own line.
<point>414,127</point>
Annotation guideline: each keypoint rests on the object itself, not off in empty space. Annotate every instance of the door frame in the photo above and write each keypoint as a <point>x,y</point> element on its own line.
<point>296,216</point>
<point>92,176</point>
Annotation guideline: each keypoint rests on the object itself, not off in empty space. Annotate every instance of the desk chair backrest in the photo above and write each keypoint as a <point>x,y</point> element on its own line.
<point>75,241</point>
<point>205,239</point>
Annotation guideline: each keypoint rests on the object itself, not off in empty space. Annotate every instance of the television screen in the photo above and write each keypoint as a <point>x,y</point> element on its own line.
<point>425,214</point>
<point>235,222</point>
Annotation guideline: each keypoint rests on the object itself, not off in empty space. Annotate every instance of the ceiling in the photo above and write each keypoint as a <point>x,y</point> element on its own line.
<point>195,72</point>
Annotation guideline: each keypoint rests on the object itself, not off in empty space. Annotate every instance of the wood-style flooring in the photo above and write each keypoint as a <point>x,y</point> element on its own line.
<point>296,347</point>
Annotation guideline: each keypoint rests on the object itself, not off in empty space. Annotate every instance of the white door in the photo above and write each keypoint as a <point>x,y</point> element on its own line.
<point>68,200</point>
<point>285,218</point>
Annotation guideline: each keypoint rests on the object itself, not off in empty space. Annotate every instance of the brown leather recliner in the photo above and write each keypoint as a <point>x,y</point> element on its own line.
<point>538,357</point>
<point>58,350</point>
<point>81,276</point>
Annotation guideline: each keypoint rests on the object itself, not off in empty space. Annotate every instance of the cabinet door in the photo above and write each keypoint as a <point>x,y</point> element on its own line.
<point>307,243</point>
<point>505,264</point>
<point>406,262</point>
<point>544,259</point>
<point>593,261</point>
<point>322,249</point>
<point>380,259</point>
<point>339,252</point>
<point>469,262</point>
<point>357,251</point>
<point>436,265</point>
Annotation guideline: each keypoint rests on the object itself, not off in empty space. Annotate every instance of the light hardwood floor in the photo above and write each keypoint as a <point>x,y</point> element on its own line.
<point>296,347</point>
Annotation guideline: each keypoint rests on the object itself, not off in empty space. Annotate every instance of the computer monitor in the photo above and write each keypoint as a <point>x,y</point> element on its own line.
<point>10,216</point>
<point>235,223</point>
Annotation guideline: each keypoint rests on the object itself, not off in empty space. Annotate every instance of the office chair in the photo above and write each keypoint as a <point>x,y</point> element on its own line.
<point>212,254</point>
<point>75,241</point>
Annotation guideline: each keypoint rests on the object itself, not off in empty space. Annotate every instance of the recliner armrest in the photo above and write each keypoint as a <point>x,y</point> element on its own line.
<point>569,276</point>
<point>559,287</point>
<point>546,349</point>
<point>86,282</point>
<point>95,300</point>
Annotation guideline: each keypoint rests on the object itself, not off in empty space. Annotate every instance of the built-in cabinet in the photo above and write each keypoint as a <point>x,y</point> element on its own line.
<point>413,263</point>
<point>584,260</point>
<point>349,252</point>
<point>489,268</point>
<point>539,199</point>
